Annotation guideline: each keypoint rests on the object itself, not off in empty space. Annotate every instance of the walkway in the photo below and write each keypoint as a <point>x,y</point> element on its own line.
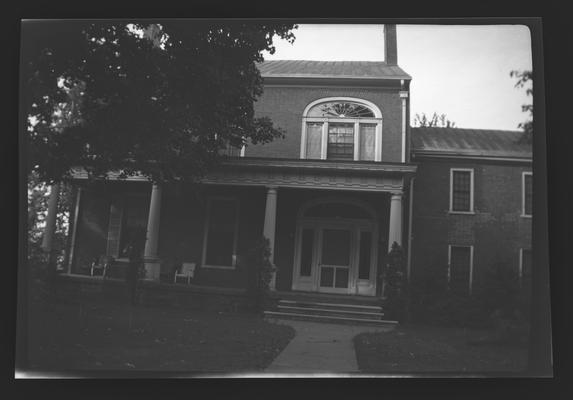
<point>320,348</point>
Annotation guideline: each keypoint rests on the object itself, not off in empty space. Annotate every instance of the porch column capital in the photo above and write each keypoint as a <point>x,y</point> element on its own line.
<point>152,265</point>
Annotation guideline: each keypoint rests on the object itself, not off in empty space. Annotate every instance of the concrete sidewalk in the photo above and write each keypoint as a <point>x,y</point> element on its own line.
<point>320,348</point>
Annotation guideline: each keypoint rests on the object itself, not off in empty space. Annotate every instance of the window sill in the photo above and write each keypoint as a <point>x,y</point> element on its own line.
<point>462,212</point>
<point>526,215</point>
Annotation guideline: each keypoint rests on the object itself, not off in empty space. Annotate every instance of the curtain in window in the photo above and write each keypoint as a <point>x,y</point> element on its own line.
<point>367,139</point>
<point>461,191</point>
<point>313,140</point>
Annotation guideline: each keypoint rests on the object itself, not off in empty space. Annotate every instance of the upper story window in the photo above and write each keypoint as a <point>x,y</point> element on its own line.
<point>342,129</point>
<point>462,190</point>
<point>527,194</point>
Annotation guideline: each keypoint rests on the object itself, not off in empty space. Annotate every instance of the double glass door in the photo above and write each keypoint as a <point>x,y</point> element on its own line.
<point>335,258</point>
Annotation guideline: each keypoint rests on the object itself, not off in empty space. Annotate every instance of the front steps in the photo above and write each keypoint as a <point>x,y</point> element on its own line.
<point>330,311</point>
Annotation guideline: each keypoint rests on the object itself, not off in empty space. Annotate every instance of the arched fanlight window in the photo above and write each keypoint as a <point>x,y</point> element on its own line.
<point>341,110</point>
<point>342,129</point>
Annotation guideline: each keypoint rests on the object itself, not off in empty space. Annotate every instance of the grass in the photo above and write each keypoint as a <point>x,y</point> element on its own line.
<point>422,349</point>
<point>116,337</point>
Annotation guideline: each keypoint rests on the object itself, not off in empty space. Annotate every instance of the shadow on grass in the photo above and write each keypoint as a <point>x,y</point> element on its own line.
<point>103,336</point>
<point>425,349</point>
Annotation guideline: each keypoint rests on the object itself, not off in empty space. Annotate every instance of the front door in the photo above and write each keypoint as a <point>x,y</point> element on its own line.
<point>335,257</point>
<point>335,260</point>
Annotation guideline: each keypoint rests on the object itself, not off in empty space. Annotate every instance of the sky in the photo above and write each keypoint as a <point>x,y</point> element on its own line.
<point>459,70</point>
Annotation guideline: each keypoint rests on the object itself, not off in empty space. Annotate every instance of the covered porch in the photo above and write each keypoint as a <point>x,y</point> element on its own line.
<point>329,224</point>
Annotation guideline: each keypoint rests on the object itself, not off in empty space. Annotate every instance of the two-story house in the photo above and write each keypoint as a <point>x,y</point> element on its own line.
<point>349,179</point>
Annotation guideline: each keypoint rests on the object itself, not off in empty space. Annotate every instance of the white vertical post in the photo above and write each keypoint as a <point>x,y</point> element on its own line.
<point>269,227</point>
<point>50,227</point>
<point>404,97</point>
<point>152,264</point>
<point>395,229</point>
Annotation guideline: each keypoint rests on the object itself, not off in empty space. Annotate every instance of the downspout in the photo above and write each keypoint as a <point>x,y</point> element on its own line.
<point>410,217</point>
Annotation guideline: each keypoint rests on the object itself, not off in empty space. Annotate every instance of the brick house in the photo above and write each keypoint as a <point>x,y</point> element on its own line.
<point>350,178</point>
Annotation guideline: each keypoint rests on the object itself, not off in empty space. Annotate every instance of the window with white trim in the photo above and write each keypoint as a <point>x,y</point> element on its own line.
<point>221,231</point>
<point>342,129</point>
<point>461,190</point>
<point>527,194</point>
<point>460,269</point>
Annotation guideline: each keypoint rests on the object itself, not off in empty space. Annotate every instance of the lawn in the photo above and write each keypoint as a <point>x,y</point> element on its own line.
<point>436,349</point>
<point>104,336</point>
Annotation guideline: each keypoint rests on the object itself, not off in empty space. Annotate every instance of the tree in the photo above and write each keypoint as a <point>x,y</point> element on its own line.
<point>524,79</point>
<point>160,98</point>
<point>436,120</point>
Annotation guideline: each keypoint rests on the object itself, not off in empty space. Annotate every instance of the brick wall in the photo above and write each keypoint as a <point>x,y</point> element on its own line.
<point>497,230</point>
<point>285,106</point>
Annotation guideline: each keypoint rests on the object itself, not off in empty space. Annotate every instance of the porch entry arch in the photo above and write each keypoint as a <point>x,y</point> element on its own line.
<point>336,247</point>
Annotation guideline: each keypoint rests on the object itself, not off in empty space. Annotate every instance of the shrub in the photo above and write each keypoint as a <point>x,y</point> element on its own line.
<point>260,272</point>
<point>395,289</point>
<point>497,302</point>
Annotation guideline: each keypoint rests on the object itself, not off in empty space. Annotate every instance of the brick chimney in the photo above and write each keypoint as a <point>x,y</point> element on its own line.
<point>390,46</point>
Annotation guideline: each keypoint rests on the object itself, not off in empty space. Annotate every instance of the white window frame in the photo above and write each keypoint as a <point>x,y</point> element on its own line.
<point>206,233</point>
<point>523,175</point>
<point>377,120</point>
<point>471,264</point>
<point>472,209</point>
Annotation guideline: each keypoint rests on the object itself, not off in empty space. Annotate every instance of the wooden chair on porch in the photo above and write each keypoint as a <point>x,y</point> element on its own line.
<point>102,264</point>
<point>187,270</point>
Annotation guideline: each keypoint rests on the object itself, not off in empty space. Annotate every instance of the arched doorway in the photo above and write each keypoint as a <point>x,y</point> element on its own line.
<point>335,247</point>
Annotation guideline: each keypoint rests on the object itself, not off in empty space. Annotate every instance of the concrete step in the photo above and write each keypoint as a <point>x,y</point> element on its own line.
<point>327,319</point>
<point>336,306</point>
<point>339,312</point>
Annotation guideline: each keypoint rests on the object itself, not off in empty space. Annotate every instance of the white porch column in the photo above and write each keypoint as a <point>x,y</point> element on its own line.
<point>395,231</point>
<point>151,260</point>
<point>269,227</point>
<point>51,218</point>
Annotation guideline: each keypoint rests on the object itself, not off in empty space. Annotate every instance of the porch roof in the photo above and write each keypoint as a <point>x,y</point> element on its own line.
<point>295,173</point>
<point>313,174</point>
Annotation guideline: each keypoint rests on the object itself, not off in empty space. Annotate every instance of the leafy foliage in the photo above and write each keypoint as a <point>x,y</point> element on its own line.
<point>395,289</point>
<point>260,272</point>
<point>435,120</point>
<point>524,79</point>
<point>160,98</point>
<point>38,195</point>
<point>497,302</point>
